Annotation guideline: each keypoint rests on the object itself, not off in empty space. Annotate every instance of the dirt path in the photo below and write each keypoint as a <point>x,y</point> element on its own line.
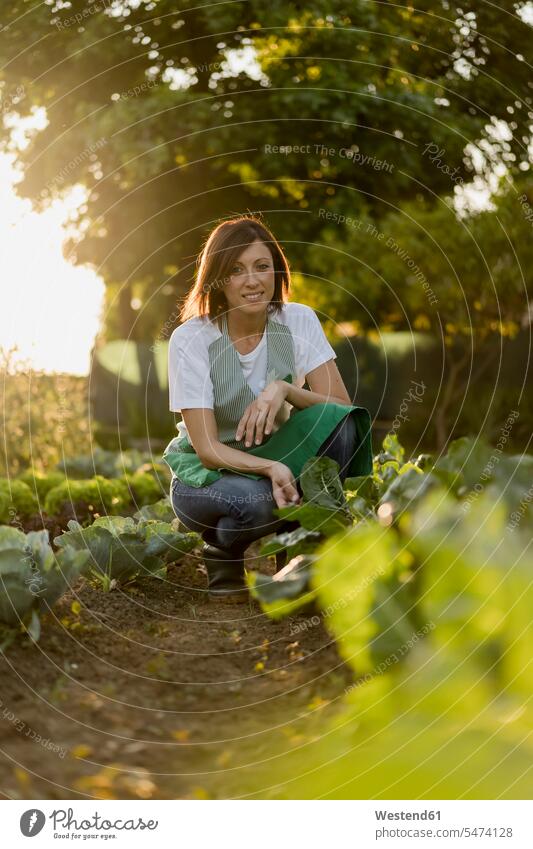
<point>154,692</point>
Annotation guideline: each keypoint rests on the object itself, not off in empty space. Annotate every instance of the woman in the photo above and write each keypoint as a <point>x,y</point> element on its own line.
<point>237,365</point>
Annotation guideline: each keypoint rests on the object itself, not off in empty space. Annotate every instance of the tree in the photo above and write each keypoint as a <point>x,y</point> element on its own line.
<point>466,280</point>
<point>365,95</point>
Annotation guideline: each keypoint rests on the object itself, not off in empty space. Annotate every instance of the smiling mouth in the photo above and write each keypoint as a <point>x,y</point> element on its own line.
<point>256,296</point>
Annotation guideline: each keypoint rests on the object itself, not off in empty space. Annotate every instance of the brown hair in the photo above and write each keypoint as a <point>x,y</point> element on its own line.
<point>223,246</point>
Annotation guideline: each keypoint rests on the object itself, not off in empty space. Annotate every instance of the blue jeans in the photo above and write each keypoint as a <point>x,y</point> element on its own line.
<point>234,511</point>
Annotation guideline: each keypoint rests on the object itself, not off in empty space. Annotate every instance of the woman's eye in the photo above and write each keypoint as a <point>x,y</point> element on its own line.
<point>264,266</point>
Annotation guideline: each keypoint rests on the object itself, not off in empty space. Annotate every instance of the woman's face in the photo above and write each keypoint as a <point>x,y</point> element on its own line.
<point>250,287</point>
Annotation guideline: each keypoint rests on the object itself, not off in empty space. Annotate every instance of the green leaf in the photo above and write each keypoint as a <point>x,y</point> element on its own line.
<point>364,486</point>
<point>288,590</point>
<point>33,576</point>
<point>299,541</point>
<point>466,460</point>
<point>16,584</point>
<point>389,471</point>
<point>321,484</point>
<point>162,539</point>
<point>476,583</point>
<point>360,509</point>
<point>394,609</point>
<point>41,550</point>
<point>392,446</point>
<point>424,462</point>
<point>356,577</point>
<point>117,525</point>
<point>316,518</point>
<point>64,568</point>
<point>408,487</point>
<point>12,538</point>
<point>161,511</point>
<point>120,548</point>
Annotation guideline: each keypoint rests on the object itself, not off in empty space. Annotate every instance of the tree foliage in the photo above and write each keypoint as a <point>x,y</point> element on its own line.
<point>382,107</point>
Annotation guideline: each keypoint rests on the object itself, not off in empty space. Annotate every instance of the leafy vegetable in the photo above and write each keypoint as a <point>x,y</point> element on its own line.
<point>409,485</point>
<point>321,484</point>
<point>103,496</point>
<point>392,447</point>
<point>144,489</point>
<point>424,462</point>
<point>161,510</point>
<point>294,542</point>
<point>17,497</point>
<point>40,483</point>
<point>120,549</point>
<point>362,595</point>
<point>365,486</point>
<point>288,590</point>
<point>433,613</point>
<point>109,464</point>
<point>316,518</point>
<point>465,459</point>
<point>32,576</point>
<point>398,489</point>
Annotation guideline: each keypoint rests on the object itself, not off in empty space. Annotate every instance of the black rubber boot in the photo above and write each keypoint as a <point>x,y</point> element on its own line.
<point>281,560</point>
<point>225,574</point>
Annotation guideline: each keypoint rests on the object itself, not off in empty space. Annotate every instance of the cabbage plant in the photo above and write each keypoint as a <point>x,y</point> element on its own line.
<point>385,499</point>
<point>32,578</point>
<point>120,549</point>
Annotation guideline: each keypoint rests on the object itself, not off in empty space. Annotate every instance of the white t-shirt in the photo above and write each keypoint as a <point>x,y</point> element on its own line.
<point>189,381</point>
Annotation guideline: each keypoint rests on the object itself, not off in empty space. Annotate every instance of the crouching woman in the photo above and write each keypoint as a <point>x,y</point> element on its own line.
<point>237,366</point>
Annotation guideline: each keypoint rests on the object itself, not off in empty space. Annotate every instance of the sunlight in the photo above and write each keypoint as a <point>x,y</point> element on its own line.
<point>49,308</point>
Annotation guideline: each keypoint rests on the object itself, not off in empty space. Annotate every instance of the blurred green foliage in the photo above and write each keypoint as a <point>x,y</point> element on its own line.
<point>44,417</point>
<point>429,597</point>
<point>103,495</point>
<point>16,500</point>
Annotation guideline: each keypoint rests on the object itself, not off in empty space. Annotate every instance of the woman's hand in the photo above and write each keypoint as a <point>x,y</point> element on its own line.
<point>259,416</point>
<point>283,485</point>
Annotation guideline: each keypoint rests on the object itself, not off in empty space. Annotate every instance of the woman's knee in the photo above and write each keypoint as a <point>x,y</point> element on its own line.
<point>195,507</point>
<point>234,500</point>
<point>341,444</point>
<point>255,508</point>
<point>250,518</point>
<point>182,510</point>
<point>347,430</point>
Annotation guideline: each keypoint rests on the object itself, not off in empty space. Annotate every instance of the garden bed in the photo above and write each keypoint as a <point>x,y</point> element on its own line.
<point>155,692</point>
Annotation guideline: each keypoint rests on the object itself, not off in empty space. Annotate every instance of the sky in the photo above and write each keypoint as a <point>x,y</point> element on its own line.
<point>49,308</point>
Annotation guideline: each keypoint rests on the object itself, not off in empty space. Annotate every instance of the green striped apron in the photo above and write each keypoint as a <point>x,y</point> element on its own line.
<point>299,436</point>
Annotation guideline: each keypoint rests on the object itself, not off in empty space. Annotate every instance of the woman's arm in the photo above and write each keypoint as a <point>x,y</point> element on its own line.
<point>258,419</point>
<point>203,434</point>
<point>326,386</point>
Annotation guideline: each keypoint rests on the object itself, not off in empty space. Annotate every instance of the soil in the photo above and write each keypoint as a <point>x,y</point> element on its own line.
<point>153,691</point>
